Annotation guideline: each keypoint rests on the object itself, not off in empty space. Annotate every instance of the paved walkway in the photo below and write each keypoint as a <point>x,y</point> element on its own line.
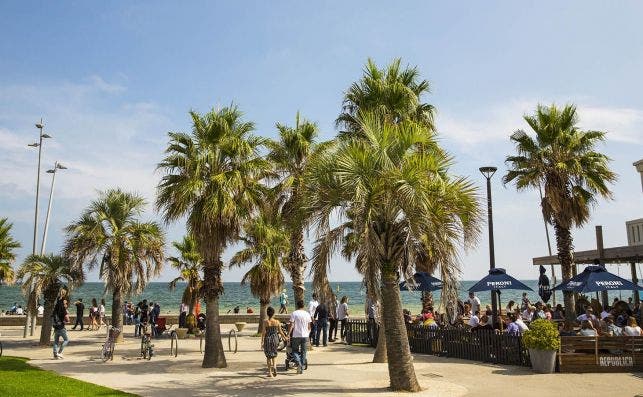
<point>334,370</point>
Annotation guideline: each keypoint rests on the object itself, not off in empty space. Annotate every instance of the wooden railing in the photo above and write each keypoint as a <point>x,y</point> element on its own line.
<point>601,354</point>
<point>485,346</point>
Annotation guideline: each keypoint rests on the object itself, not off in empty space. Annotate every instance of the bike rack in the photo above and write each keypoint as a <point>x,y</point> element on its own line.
<point>236,342</point>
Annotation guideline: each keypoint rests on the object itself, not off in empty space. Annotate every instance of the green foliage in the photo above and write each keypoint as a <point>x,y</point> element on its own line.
<point>17,378</point>
<point>542,335</point>
<point>7,251</point>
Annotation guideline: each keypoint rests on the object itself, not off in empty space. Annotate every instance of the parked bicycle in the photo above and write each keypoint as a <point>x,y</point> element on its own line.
<point>147,348</point>
<point>108,347</point>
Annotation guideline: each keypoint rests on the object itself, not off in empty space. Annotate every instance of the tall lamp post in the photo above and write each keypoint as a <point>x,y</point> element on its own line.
<point>53,171</point>
<point>31,299</point>
<point>488,172</point>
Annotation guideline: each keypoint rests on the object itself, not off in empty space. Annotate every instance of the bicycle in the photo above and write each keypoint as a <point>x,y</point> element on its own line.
<point>108,347</point>
<point>147,348</point>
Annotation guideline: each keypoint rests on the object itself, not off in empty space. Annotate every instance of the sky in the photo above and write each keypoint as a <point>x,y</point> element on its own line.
<point>110,80</point>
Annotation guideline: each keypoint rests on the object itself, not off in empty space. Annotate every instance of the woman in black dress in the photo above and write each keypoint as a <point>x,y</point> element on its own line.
<point>270,340</point>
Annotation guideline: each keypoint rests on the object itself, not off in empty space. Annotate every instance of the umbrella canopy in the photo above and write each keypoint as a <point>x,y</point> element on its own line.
<point>543,285</point>
<point>423,282</point>
<point>596,278</point>
<point>498,279</point>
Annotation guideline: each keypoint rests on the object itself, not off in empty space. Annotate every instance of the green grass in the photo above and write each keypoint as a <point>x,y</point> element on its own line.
<point>17,378</point>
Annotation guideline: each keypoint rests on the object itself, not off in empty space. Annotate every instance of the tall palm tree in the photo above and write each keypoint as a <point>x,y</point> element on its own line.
<point>7,252</point>
<point>561,159</point>
<point>393,92</point>
<point>290,156</point>
<point>48,274</point>
<point>109,235</point>
<point>212,177</point>
<point>189,264</point>
<point>394,195</point>
<point>267,247</point>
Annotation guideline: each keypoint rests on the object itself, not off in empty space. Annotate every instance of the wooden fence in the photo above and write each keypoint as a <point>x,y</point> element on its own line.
<point>485,346</point>
<point>601,354</point>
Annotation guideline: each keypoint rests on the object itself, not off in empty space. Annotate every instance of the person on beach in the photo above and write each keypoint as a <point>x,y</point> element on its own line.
<point>59,317</point>
<point>101,313</point>
<point>342,317</point>
<point>321,322</point>
<point>332,316</point>
<point>312,306</point>
<point>474,302</point>
<point>270,340</point>
<point>283,302</point>
<point>93,315</point>
<point>80,312</point>
<point>299,331</point>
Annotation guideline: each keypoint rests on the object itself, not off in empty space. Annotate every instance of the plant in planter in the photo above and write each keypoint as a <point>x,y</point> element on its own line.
<point>543,341</point>
<point>190,323</point>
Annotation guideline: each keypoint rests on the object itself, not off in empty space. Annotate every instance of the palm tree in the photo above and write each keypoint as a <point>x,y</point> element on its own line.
<point>267,247</point>
<point>7,252</point>
<point>110,236</point>
<point>188,263</point>
<point>49,274</point>
<point>562,160</point>
<point>393,92</point>
<point>395,197</point>
<point>290,156</point>
<point>212,177</point>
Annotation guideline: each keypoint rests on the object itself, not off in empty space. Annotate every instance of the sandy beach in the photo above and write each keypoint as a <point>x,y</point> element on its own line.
<point>336,370</point>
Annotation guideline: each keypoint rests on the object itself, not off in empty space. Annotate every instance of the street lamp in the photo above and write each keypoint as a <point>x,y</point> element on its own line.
<point>488,172</point>
<point>53,171</point>
<point>30,308</point>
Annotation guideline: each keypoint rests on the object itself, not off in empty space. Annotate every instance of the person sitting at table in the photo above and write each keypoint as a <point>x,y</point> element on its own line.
<point>520,323</point>
<point>483,324</point>
<point>538,313</point>
<point>559,313</point>
<point>632,328</point>
<point>588,315</point>
<point>474,320</point>
<point>610,328</point>
<point>511,328</point>
<point>510,307</point>
<point>547,311</point>
<point>528,313</point>
<point>586,329</point>
<point>567,329</point>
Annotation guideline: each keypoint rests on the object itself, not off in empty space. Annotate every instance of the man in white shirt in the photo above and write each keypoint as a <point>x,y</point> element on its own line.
<point>474,320</point>
<point>521,325</point>
<point>474,302</point>
<point>589,315</point>
<point>299,330</point>
<point>312,307</point>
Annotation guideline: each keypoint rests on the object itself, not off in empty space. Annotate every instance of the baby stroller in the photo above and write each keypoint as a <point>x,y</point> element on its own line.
<point>290,359</point>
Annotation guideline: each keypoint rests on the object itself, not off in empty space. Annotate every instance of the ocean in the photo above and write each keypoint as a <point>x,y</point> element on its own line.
<point>237,295</point>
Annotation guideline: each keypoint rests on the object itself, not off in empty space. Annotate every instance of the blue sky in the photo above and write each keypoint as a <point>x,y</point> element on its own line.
<point>111,79</point>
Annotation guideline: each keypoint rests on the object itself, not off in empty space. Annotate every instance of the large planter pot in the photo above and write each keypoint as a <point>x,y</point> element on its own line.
<point>543,361</point>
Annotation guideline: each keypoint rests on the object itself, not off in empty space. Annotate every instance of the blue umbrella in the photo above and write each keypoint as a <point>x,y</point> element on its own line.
<point>423,282</point>
<point>498,279</point>
<point>594,279</point>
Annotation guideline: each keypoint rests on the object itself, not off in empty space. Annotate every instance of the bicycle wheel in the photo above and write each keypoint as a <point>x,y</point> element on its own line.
<point>174,344</point>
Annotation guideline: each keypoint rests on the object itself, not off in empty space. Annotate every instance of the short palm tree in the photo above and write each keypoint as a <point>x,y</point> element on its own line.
<point>267,247</point>
<point>8,247</point>
<point>290,156</point>
<point>562,160</point>
<point>393,92</point>
<point>48,274</point>
<point>212,177</point>
<point>394,195</point>
<point>109,235</point>
<point>189,264</point>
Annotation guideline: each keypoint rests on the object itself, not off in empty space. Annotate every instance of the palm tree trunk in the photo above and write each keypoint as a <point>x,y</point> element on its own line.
<point>427,300</point>
<point>297,264</point>
<point>380,355</point>
<point>214,356</point>
<point>565,246</point>
<point>262,314</point>
<point>50,296</point>
<point>117,312</point>
<point>400,363</point>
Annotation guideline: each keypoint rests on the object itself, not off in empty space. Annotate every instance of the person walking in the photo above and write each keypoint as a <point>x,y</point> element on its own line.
<point>321,322</point>
<point>312,306</point>
<point>101,313</point>
<point>342,317</point>
<point>332,314</point>
<point>93,315</point>
<point>299,331</point>
<point>283,302</point>
<point>270,340</point>
<point>371,315</point>
<point>80,312</point>
<point>59,317</point>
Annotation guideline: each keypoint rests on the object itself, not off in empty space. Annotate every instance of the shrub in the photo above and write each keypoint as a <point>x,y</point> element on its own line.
<point>542,335</point>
